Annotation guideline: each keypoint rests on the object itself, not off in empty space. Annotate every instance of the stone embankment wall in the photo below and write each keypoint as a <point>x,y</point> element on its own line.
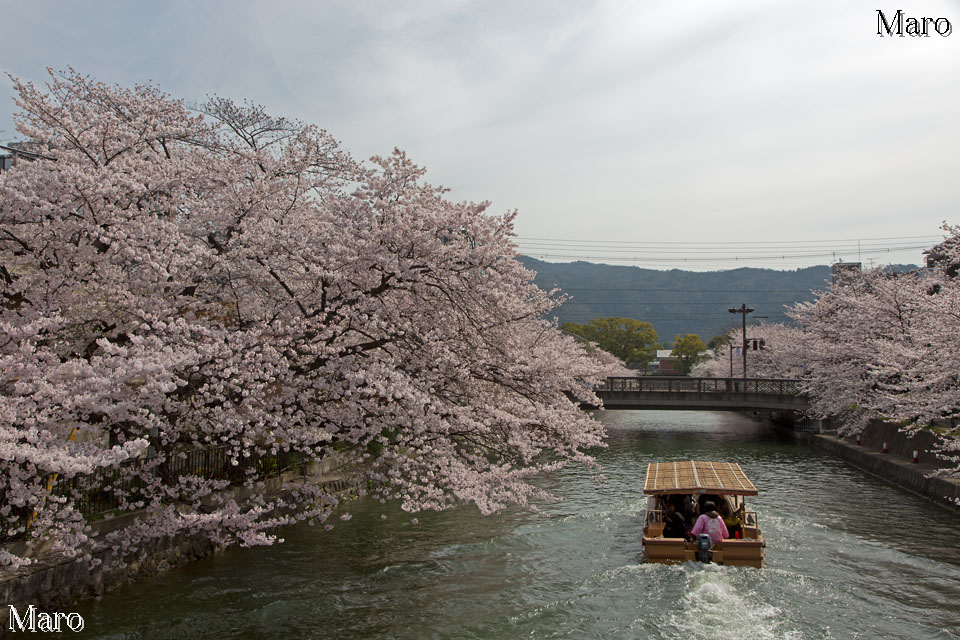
<point>900,444</point>
<point>53,582</point>
<point>896,466</point>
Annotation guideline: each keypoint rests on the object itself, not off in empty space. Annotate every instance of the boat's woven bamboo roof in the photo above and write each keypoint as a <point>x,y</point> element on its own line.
<point>725,478</point>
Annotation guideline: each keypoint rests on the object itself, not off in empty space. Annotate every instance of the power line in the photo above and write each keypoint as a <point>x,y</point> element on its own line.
<point>719,259</point>
<point>656,248</point>
<point>717,254</point>
<point>698,317</point>
<point>730,242</point>
<point>737,291</point>
<point>601,303</point>
<point>727,254</point>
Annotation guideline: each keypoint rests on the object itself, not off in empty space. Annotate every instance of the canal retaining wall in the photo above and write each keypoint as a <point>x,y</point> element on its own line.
<point>896,465</point>
<point>52,583</point>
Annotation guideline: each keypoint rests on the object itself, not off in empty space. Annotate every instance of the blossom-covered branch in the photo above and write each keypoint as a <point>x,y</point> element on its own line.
<point>173,280</point>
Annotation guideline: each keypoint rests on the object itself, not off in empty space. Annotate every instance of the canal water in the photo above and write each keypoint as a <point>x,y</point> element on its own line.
<point>848,556</point>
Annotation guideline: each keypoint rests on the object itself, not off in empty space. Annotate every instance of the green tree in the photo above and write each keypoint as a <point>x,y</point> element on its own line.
<point>688,350</point>
<point>628,339</point>
<point>719,342</point>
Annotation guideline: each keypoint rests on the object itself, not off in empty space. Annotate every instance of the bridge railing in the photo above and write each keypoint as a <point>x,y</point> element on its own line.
<point>683,384</point>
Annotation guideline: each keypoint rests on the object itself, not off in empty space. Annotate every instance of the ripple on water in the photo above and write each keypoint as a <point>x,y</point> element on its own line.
<point>832,571</point>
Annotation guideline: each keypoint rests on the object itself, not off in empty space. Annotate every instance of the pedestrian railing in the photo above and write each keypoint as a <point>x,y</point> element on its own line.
<point>659,384</point>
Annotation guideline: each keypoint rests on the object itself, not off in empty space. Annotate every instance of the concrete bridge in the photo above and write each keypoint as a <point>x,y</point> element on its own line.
<point>711,394</point>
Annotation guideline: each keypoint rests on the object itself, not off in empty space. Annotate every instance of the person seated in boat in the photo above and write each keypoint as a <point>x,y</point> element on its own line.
<point>679,503</point>
<point>673,524</point>
<point>711,524</point>
<point>731,519</point>
<point>690,509</point>
<point>657,515</point>
<point>709,497</point>
<point>660,515</point>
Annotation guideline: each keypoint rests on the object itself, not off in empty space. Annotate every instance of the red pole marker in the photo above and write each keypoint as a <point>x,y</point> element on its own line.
<point>885,450</point>
<point>916,456</point>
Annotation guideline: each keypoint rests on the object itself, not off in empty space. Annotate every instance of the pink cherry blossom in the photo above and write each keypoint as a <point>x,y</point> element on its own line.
<point>174,281</point>
<point>881,345</point>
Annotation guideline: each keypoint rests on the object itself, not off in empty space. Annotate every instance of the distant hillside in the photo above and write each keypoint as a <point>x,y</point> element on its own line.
<point>676,301</point>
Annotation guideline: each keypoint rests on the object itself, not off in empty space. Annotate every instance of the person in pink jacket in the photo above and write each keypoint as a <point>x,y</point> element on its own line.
<point>711,524</point>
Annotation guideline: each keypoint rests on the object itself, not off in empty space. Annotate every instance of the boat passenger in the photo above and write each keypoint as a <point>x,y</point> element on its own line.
<point>708,497</point>
<point>731,519</point>
<point>710,523</point>
<point>690,509</point>
<point>673,524</point>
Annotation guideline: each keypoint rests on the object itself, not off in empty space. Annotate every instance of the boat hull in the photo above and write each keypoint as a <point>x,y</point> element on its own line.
<point>742,553</point>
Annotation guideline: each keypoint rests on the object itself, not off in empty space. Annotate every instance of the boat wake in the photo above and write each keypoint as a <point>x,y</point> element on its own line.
<point>712,606</point>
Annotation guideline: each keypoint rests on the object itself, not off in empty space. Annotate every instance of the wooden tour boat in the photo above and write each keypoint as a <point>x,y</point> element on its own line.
<point>677,486</point>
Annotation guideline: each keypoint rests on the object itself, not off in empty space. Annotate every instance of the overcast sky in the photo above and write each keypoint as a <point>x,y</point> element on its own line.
<point>776,127</point>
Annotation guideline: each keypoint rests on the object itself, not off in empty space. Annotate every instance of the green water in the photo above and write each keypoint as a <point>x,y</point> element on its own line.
<point>848,556</point>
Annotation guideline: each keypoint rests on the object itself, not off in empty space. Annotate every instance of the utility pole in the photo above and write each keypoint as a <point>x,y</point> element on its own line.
<point>743,310</point>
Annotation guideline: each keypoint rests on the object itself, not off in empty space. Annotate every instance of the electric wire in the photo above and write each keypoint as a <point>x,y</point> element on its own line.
<point>720,253</point>
<point>733,242</point>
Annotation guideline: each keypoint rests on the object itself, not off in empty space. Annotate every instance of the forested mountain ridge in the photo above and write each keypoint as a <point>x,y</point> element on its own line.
<point>676,301</point>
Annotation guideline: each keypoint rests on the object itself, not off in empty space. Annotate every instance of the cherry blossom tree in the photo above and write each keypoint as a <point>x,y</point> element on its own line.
<point>782,355</point>
<point>174,281</point>
<point>884,346</point>
<point>852,329</point>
